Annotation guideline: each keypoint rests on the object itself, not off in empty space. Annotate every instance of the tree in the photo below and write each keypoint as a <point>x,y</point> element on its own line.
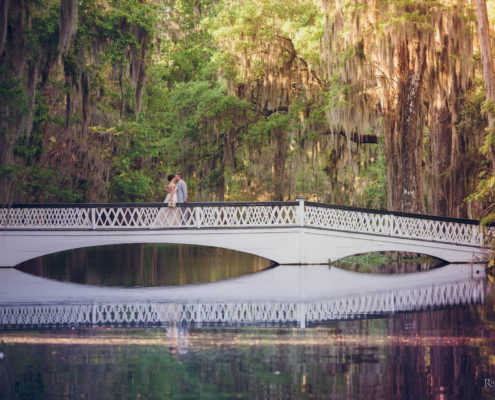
<point>486,187</point>
<point>488,75</point>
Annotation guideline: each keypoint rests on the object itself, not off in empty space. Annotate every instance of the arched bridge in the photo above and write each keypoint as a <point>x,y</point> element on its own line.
<point>285,232</point>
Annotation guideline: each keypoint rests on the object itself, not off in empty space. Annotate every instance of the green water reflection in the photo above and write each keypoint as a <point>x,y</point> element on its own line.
<point>443,354</point>
<point>145,265</point>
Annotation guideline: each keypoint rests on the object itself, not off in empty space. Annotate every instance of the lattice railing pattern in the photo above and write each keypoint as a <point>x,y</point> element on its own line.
<point>239,216</point>
<point>45,218</point>
<point>148,217</point>
<point>244,313</point>
<point>400,300</point>
<point>347,220</point>
<point>393,225</point>
<point>248,216</point>
<point>436,230</point>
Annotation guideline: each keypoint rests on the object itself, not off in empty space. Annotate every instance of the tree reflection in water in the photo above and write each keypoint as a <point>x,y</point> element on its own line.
<point>144,265</point>
<point>442,354</point>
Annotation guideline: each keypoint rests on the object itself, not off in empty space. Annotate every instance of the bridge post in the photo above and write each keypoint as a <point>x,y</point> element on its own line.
<point>391,224</point>
<point>93,218</point>
<point>93,315</point>
<point>197,216</point>
<point>301,315</point>
<point>301,217</point>
<point>300,210</point>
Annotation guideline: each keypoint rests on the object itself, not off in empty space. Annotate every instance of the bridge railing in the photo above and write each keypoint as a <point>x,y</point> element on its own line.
<point>395,224</point>
<point>240,215</point>
<point>149,216</point>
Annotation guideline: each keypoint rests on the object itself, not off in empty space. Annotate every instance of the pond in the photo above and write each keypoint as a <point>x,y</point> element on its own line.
<point>137,265</point>
<point>240,328</point>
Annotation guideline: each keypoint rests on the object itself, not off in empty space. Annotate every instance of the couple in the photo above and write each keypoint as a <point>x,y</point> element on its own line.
<point>176,193</point>
<point>176,190</point>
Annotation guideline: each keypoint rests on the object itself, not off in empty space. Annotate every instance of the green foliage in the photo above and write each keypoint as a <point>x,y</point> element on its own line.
<point>186,47</point>
<point>130,185</point>
<point>375,189</point>
<point>198,119</point>
<point>44,185</point>
<point>338,93</point>
<point>260,131</point>
<point>488,107</point>
<point>375,259</point>
<point>43,37</point>
<point>117,24</point>
<point>249,26</point>
<point>13,94</point>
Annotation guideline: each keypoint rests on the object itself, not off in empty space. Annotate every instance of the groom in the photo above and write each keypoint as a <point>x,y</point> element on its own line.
<point>181,189</point>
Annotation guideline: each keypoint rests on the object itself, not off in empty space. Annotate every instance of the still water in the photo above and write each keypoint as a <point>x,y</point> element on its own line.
<point>414,335</point>
<point>135,265</point>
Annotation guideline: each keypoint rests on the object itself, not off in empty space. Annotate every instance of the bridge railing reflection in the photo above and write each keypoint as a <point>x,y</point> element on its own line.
<point>301,313</point>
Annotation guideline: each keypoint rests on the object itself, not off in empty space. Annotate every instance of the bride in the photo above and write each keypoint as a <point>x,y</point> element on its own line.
<point>171,197</point>
<point>169,216</point>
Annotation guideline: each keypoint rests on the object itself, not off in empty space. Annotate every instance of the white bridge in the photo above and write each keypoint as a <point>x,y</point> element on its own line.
<point>285,294</point>
<point>285,232</point>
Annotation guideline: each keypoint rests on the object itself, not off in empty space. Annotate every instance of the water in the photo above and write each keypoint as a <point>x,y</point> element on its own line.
<point>136,265</point>
<point>421,335</point>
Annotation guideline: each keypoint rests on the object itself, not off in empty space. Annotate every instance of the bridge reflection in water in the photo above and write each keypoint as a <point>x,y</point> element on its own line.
<point>283,295</point>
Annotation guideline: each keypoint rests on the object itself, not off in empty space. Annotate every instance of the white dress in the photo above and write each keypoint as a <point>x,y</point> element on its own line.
<point>169,216</point>
<point>167,198</point>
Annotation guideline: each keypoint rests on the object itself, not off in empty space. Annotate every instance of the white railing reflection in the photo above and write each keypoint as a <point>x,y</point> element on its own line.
<point>345,307</point>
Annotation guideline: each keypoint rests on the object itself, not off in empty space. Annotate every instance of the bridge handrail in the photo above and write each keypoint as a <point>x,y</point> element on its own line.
<point>240,214</point>
<point>158,205</point>
<point>395,224</point>
<point>241,203</point>
<point>395,213</point>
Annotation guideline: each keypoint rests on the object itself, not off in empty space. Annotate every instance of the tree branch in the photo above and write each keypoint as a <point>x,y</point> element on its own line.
<point>355,137</point>
<point>267,113</point>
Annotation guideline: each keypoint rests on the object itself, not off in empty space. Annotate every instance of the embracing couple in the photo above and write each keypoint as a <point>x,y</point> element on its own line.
<point>176,190</point>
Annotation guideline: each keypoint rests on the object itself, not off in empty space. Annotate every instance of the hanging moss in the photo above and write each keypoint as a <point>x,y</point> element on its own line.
<point>68,23</point>
<point>387,55</point>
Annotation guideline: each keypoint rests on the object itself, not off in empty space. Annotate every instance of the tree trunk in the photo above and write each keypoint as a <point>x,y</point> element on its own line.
<point>4,14</point>
<point>68,16</point>
<point>404,133</point>
<point>279,165</point>
<point>67,104</point>
<point>121,86</point>
<point>488,66</point>
<point>441,150</point>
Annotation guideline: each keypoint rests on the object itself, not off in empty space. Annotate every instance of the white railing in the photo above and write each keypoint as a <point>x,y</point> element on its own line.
<point>150,216</point>
<point>465,292</point>
<point>408,226</point>
<point>241,215</point>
